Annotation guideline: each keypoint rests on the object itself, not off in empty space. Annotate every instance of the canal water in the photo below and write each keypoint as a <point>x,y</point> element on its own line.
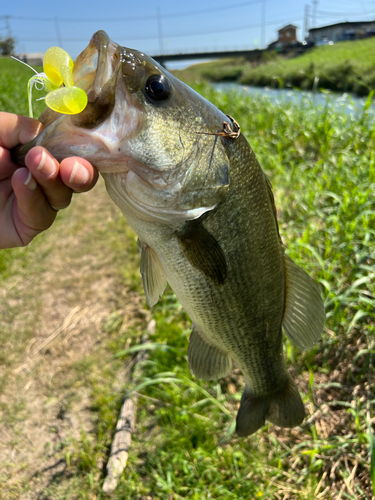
<point>346,102</point>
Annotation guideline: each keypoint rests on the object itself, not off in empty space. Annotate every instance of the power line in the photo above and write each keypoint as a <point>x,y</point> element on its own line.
<point>132,19</point>
<point>209,11</point>
<point>171,35</point>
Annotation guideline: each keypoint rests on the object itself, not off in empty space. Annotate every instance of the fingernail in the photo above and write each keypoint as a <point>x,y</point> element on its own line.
<point>30,182</point>
<point>46,165</point>
<point>79,174</point>
<point>28,135</point>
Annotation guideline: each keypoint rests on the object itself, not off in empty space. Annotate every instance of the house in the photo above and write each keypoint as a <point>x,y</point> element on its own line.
<point>341,31</point>
<point>286,36</point>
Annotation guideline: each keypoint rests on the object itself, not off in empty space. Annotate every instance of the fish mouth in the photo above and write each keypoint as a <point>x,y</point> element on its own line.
<point>96,71</point>
<point>102,55</point>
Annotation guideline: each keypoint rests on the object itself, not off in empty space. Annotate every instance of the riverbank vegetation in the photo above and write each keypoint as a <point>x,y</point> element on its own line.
<point>342,67</point>
<point>72,314</point>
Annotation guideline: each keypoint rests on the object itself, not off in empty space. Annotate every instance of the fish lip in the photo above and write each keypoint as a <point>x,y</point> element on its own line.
<point>108,53</point>
<point>101,41</point>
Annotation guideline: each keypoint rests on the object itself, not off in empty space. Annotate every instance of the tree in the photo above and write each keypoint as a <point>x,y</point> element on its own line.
<point>7,45</point>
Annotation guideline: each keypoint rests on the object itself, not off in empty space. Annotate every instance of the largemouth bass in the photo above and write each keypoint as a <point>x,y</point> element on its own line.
<point>192,189</point>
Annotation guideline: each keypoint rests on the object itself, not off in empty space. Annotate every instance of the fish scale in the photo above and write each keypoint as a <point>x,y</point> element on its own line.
<point>238,321</point>
<point>240,316</point>
<point>192,189</point>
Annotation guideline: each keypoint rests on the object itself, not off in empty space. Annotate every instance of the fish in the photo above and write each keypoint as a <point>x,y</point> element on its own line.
<point>191,187</point>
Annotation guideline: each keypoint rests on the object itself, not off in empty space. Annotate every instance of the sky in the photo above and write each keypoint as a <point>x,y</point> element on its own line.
<point>168,27</point>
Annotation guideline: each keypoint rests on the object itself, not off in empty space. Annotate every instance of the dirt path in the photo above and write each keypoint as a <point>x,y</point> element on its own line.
<point>53,314</point>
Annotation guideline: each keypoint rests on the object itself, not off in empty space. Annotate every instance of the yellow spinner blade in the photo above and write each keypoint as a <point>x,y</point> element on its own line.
<point>58,66</point>
<point>67,100</point>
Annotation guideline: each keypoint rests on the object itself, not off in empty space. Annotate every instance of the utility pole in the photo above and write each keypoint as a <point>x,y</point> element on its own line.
<point>8,26</point>
<point>263,43</point>
<point>315,3</point>
<point>160,32</point>
<point>58,32</point>
<point>306,23</point>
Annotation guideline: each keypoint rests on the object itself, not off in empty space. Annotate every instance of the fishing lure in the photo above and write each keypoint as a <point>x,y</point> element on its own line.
<point>69,99</point>
<point>62,95</point>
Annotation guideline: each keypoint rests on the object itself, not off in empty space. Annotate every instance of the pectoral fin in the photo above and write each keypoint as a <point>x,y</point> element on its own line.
<point>154,281</point>
<point>304,315</point>
<point>207,361</point>
<point>203,251</point>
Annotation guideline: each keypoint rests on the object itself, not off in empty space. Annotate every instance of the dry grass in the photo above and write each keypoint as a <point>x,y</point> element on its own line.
<point>53,315</point>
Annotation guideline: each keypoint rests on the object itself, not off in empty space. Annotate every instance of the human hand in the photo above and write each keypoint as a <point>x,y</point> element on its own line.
<point>30,197</point>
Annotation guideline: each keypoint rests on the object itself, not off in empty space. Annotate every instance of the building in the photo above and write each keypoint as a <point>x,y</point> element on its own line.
<point>32,58</point>
<point>286,36</point>
<point>341,31</point>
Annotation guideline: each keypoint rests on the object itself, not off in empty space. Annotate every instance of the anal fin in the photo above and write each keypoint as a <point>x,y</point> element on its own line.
<point>304,314</point>
<point>154,281</point>
<point>207,361</point>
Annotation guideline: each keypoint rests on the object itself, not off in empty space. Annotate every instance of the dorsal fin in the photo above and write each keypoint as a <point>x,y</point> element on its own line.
<point>304,314</point>
<point>154,281</point>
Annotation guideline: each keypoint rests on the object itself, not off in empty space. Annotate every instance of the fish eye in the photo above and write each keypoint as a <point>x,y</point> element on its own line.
<point>158,88</point>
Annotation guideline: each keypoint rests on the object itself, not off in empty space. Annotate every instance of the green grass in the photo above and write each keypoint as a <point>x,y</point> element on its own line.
<point>343,67</point>
<point>214,71</point>
<point>322,165</point>
<point>13,88</point>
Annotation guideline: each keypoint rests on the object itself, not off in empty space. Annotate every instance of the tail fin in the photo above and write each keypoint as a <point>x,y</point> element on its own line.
<point>284,409</point>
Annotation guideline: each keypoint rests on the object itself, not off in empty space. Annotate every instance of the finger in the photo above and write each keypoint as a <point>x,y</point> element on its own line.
<point>15,129</point>
<point>78,174</point>
<point>7,166</point>
<point>32,212</point>
<point>45,170</point>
